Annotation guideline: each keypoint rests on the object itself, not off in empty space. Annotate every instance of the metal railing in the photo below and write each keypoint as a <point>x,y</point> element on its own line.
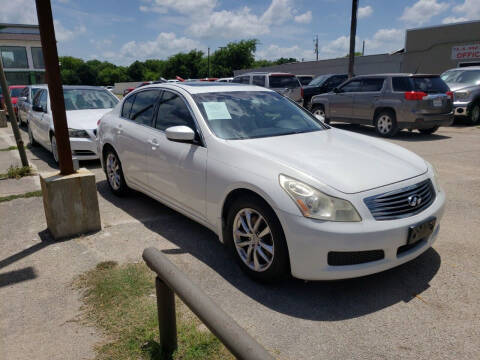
<point>171,280</point>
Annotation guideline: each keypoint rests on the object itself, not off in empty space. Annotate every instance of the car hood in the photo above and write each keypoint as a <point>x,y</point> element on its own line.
<point>345,161</point>
<point>85,119</point>
<point>459,86</point>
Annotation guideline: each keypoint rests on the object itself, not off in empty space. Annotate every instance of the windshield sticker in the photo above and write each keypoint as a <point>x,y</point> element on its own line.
<point>216,110</point>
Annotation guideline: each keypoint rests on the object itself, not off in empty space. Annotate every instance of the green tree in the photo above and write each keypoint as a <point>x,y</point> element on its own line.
<point>136,71</point>
<point>234,56</point>
<point>283,60</point>
<point>186,65</point>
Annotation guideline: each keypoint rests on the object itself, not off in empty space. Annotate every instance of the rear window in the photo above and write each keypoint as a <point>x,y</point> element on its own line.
<point>427,84</point>
<point>283,81</point>
<point>242,80</point>
<point>305,80</point>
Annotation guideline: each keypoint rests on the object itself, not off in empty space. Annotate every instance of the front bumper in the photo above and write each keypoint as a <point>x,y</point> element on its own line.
<point>460,108</point>
<point>84,148</point>
<point>309,242</point>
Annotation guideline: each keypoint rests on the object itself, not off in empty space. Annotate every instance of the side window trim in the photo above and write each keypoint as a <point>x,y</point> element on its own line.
<point>192,114</point>
<point>155,105</point>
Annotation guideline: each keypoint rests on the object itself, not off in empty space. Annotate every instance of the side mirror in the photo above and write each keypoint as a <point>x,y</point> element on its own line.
<point>37,108</point>
<point>22,98</point>
<point>336,90</point>
<point>180,133</point>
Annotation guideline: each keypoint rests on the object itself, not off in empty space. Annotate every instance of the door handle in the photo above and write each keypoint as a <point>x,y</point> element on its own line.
<point>153,142</point>
<point>119,129</point>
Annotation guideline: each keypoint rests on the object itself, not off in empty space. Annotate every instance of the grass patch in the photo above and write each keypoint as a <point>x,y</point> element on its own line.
<point>16,172</point>
<point>10,148</point>
<point>21,196</point>
<point>118,300</point>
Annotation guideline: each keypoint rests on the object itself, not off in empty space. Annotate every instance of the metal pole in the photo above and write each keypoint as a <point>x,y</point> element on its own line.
<point>353,34</point>
<point>13,118</point>
<point>363,48</point>
<point>167,322</point>
<point>316,46</point>
<point>235,338</point>
<point>208,61</point>
<point>57,102</point>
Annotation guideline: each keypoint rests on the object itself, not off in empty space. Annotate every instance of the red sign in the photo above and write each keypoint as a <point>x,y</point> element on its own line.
<point>466,52</point>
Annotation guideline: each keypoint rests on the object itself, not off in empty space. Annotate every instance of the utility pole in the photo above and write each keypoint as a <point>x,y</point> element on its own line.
<point>208,61</point>
<point>13,118</point>
<point>316,46</point>
<point>363,48</point>
<point>57,102</point>
<point>353,34</point>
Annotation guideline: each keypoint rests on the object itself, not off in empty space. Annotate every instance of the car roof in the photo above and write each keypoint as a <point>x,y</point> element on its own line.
<point>199,87</point>
<point>83,87</point>
<point>395,74</point>
<point>266,73</point>
<point>465,68</point>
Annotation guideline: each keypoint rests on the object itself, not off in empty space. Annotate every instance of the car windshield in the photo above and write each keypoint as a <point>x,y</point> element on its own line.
<point>15,92</point>
<point>462,77</point>
<point>34,92</point>
<point>254,114</point>
<point>283,81</point>
<point>84,99</point>
<point>318,80</point>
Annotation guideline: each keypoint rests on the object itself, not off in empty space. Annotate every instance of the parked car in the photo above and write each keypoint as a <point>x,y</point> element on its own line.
<point>321,84</point>
<point>465,84</point>
<point>283,83</point>
<point>226,79</point>
<point>305,79</point>
<point>284,191</point>
<point>24,103</point>
<point>84,105</point>
<point>389,102</point>
<point>15,91</point>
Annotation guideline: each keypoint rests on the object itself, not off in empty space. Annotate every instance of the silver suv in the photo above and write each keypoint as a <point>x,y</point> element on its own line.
<point>390,102</point>
<point>284,83</point>
<point>465,84</point>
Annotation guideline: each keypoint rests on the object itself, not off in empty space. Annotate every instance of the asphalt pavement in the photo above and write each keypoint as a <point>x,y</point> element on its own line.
<point>426,309</point>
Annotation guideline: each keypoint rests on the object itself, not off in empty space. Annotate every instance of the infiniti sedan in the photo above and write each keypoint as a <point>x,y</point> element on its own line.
<point>285,192</point>
<point>84,106</point>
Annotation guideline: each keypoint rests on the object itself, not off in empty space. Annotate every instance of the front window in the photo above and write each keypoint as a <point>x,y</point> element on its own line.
<point>254,114</point>
<point>87,99</point>
<point>283,81</point>
<point>14,57</point>
<point>467,77</point>
<point>16,92</point>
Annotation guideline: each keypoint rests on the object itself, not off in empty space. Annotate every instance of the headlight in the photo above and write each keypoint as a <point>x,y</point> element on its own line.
<point>461,95</point>
<point>75,133</point>
<point>435,177</point>
<point>317,205</point>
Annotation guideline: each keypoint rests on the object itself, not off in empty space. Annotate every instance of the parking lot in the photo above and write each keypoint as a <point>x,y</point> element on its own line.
<point>427,308</point>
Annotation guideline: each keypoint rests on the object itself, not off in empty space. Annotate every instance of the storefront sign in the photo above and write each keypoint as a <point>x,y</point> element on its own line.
<point>463,52</point>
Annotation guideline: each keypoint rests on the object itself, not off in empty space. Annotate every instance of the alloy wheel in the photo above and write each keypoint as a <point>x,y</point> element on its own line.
<point>384,124</point>
<point>253,239</point>
<point>54,148</point>
<point>319,111</point>
<point>113,171</point>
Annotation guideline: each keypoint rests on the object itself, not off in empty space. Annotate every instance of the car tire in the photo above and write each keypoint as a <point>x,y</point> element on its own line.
<point>474,115</point>
<point>319,110</point>
<point>31,138</point>
<point>262,257</point>
<point>429,130</point>
<point>53,144</point>
<point>114,172</point>
<point>385,123</point>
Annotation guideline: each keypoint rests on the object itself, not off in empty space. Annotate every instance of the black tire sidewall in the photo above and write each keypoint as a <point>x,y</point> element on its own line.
<point>31,139</point>
<point>280,267</point>
<point>428,131</point>
<point>394,129</point>
<point>470,117</point>
<point>123,189</point>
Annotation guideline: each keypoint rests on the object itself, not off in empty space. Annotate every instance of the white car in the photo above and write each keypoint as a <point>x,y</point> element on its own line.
<point>284,191</point>
<point>84,106</point>
<point>227,79</point>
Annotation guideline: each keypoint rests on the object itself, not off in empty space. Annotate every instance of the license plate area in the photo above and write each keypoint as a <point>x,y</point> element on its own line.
<point>437,102</point>
<point>420,231</point>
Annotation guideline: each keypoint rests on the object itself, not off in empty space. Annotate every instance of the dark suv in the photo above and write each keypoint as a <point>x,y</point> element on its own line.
<point>321,84</point>
<point>390,102</point>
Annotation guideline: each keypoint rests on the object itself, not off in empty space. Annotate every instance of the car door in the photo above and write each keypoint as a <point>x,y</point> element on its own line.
<point>22,105</point>
<point>365,99</point>
<point>45,121</point>
<point>177,169</point>
<point>341,101</point>
<point>36,117</point>
<point>132,135</point>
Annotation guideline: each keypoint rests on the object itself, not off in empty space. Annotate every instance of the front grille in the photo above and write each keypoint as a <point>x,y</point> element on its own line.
<point>405,248</point>
<point>341,258</point>
<point>398,204</point>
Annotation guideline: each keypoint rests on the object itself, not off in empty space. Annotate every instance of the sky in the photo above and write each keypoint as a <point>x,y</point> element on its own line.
<point>122,31</point>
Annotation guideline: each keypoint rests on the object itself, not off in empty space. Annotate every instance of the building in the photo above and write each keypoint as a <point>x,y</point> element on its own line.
<point>427,50</point>
<point>21,52</point>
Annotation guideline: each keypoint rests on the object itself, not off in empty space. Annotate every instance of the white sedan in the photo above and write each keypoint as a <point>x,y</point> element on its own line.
<point>284,192</point>
<point>84,106</point>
